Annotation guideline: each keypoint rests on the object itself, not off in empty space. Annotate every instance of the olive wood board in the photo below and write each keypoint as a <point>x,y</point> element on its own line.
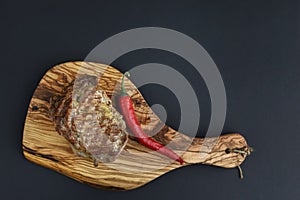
<point>136,165</point>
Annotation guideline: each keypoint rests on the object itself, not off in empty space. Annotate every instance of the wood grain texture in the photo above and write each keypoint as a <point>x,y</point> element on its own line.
<point>136,165</point>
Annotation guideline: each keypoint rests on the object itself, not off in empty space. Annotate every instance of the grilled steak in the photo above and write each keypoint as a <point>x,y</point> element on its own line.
<point>86,118</point>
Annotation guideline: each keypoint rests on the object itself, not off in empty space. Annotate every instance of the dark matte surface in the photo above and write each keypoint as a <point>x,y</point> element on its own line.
<point>254,44</point>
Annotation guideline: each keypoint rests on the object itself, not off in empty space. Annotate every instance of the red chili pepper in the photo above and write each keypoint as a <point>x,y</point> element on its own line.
<point>127,110</point>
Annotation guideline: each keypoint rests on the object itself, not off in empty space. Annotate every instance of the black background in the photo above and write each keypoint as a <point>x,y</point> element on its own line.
<point>255,45</point>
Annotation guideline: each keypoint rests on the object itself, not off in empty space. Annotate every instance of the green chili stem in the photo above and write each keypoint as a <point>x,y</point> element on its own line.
<point>123,90</point>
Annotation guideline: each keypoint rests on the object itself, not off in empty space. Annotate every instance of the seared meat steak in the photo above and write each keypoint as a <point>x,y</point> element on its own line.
<point>86,118</point>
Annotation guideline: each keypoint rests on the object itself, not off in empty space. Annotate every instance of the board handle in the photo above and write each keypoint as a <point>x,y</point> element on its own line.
<point>227,151</point>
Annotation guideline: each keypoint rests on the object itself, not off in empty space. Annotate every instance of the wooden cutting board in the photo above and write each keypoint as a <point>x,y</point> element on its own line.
<point>136,165</point>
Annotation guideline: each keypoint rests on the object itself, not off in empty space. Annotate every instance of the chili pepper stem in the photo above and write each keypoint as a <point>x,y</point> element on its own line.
<point>123,90</point>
